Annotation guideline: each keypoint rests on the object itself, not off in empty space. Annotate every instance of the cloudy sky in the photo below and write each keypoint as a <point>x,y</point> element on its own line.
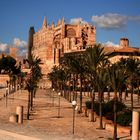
<point>113,19</point>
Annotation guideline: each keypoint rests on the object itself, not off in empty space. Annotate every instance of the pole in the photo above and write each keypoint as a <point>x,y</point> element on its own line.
<point>59,106</point>
<point>53,97</point>
<point>6,96</point>
<point>73,118</point>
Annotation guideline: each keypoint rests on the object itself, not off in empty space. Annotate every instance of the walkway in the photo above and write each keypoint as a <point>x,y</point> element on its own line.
<point>44,123</point>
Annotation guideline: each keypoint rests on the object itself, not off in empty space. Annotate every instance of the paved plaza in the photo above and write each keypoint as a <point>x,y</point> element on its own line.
<point>44,123</point>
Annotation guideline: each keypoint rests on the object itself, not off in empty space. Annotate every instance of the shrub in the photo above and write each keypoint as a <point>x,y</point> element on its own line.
<point>124,118</point>
<point>110,116</point>
<point>124,115</point>
<point>110,106</point>
<point>96,108</point>
<point>109,109</point>
<point>88,104</point>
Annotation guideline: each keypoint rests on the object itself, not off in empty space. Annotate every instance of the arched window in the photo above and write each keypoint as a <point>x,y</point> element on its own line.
<point>70,33</point>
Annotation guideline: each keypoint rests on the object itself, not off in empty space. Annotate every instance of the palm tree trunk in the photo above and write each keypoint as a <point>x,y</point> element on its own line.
<point>120,96</point>
<point>80,94</point>
<point>28,107</point>
<point>34,93</point>
<point>126,94</point>
<point>100,110</point>
<point>115,117</point>
<point>31,100</point>
<point>138,94</point>
<point>70,96</point>
<point>92,105</point>
<point>108,92</point>
<point>132,92</point>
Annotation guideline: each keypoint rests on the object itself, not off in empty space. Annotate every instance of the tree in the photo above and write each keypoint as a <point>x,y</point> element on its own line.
<point>117,76</point>
<point>97,60</point>
<point>8,65</point>
<point>32,80</point>
<point>101,81</point>
<point>77,67</point>
<point>132,68</point>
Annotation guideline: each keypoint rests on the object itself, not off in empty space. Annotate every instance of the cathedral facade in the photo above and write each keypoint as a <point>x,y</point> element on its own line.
<point>52,41</point>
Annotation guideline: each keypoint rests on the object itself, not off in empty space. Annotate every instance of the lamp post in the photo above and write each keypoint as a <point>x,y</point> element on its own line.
<point>74,106</point>
<point>6,96</point>
<point>59,104</point>
<point>108,92</point>
<point>18,88</point>
<point>53,97</point>
<point>21,87</point>
<point>13,89</point>
<point>13,92</point>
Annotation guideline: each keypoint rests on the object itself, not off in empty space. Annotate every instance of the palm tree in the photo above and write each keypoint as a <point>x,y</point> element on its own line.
<point>117,76</point>
<point>101,81</point>
<point>52,76</point>
<point>36,75</point>
<point>77,67</point>
<point>123,87</point>
<point>32,80</point>
<point>95,58</point>
<point>132,66</point>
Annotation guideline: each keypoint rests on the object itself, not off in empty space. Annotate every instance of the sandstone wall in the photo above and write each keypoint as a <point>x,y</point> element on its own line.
<point>3,79</point>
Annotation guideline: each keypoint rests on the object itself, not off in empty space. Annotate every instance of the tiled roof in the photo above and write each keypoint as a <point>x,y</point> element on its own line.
<point>120,49</point>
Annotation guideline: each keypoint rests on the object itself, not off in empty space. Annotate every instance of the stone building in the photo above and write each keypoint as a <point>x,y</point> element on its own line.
<point>123,50</point>
<point>52,41</point>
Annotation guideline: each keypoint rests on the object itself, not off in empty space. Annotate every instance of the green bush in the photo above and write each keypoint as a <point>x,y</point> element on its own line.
<point>109,116</point>
<point>88,104</point>
<point>124,118</point>
<point>110,106</point>
<point>96,106</point>
<point>109,109</point>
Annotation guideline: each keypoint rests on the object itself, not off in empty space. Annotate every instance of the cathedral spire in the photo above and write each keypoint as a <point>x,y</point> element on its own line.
<point>62,21</point>
<point>44,23</point>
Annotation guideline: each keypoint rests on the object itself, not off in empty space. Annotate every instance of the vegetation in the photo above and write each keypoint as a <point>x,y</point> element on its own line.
<point>92,70</point>
<point>32,80</point>
<point>8,65</point>
<point>124,115</point>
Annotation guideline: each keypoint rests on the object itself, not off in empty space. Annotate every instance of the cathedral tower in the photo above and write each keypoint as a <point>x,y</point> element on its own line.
<point>30,41</point>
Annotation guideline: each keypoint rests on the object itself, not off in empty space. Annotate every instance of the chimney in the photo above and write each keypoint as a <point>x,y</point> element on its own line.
<point>124,42</point>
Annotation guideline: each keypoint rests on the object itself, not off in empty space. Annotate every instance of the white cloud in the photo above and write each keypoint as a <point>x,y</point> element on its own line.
<point>77,20</point>
<point>113,20</point>
<point>22,52</point>
<point>134,18</point>
<point>19,43</point>
<point>21,46</point>
<point>3,47</point>
<point>110,44</point>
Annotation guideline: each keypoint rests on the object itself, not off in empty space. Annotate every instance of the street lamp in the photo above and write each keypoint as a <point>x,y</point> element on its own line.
<point>13,92</point>
<point>6,96</point>
<point>74,106</point>
<point>59,93</point>
<point>18,88</point>
<point>53,97</point>
<point>108,92</point>
<point>13,89</point>
<point>21,87</point>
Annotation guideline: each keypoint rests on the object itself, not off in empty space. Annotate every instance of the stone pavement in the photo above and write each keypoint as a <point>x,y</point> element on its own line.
<point>44,122</point>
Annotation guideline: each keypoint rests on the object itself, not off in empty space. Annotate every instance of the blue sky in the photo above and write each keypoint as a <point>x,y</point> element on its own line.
<point>113,19</point>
